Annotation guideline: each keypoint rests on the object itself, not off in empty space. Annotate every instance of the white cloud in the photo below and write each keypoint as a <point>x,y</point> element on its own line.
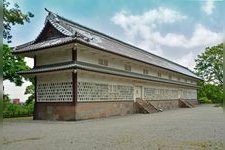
<point>187,60</point>
<point>208,6</point>
<point>148,19</point>
<point>201,36</point>
<point>204,36</point>
<point>16,91</point>
<point>159,15</point>
<point>141,30</point>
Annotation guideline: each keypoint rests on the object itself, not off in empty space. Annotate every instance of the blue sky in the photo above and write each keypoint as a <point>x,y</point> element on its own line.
<point>178,30</point>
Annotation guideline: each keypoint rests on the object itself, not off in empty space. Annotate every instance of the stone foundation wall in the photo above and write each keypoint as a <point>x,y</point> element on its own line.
<point>191,101</point>
<point>54,111</point>
<point>165,104</point>
<point>103,109</point>
<point>82,111</point>
<point>91,110</point>
<point>170,104</point>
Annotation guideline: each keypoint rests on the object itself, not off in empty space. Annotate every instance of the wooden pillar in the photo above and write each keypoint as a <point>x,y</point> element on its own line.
<point>74,74</point>
<point>35,92</point>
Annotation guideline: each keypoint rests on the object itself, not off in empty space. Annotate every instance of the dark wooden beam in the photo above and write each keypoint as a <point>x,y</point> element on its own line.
<point>35,113</point>
<point>74,77</point>
<point>74,74</point>
<point>35,91</point>
<point>74,53</point>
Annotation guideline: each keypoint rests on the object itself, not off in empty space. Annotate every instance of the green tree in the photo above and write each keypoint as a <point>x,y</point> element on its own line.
<point>11,63</point>
<point>13,16</point>
<point>30,90</point>
<point>209,65</point>
<point>210,92</point>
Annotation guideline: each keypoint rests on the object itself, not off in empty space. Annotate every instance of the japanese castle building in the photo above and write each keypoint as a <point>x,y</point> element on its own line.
<point>81,73</point>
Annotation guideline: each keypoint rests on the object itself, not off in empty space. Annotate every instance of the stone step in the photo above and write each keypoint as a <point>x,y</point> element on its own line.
<point>186,103</point>
<point>149,108</point>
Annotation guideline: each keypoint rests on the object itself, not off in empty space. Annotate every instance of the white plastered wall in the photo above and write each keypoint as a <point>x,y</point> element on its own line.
<point>54,56</point>
<point>92,56</point>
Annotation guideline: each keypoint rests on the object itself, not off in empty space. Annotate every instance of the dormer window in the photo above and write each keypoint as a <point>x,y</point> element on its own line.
<point>103,62</point>
<point>127,67</point>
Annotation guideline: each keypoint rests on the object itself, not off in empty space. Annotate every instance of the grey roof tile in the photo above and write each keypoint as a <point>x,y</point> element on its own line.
<point>44,44</point>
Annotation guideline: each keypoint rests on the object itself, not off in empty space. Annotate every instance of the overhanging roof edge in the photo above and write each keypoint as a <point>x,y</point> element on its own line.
<point>97,68</point>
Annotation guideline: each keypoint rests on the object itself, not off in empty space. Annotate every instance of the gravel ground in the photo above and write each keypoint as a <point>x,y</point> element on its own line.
<point>196,128</point>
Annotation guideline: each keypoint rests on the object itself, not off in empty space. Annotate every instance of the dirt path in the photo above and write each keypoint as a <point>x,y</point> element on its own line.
<point>199,128</point>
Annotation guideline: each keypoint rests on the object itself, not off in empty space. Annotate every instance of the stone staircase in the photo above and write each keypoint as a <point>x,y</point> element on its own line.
<point>146,107</point>
<point>185,103</point>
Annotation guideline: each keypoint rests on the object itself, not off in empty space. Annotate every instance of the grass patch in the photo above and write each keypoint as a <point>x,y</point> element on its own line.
<point>18,118</point>
<point>205,144</point>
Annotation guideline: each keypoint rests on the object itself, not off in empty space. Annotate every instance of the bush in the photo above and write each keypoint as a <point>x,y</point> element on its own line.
<point>211,92</point>
<point>204,100</point>
<point>14,110</point>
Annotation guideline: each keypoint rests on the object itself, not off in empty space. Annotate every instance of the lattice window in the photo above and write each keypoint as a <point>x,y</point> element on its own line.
<point>189,94</point>
<point>54,92</point>
<point>88,91</point>
<point>160,94</point>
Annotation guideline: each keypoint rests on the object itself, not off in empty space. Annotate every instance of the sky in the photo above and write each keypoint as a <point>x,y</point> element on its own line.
<point>177,30</point>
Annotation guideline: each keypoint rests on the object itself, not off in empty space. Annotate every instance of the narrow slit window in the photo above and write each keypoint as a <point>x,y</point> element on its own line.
<point>103,62</point>
<point>159,74</point>
<point>127,67</point>
<point>145,71</point>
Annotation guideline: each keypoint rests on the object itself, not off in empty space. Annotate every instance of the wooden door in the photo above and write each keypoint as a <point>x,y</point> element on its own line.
<point>138,92</point>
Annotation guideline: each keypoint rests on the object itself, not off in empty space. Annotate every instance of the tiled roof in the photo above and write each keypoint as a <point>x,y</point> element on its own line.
<point>44,44</point>
<point>49,68</point>
<point>75,31</point>
<point>98,68</point>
